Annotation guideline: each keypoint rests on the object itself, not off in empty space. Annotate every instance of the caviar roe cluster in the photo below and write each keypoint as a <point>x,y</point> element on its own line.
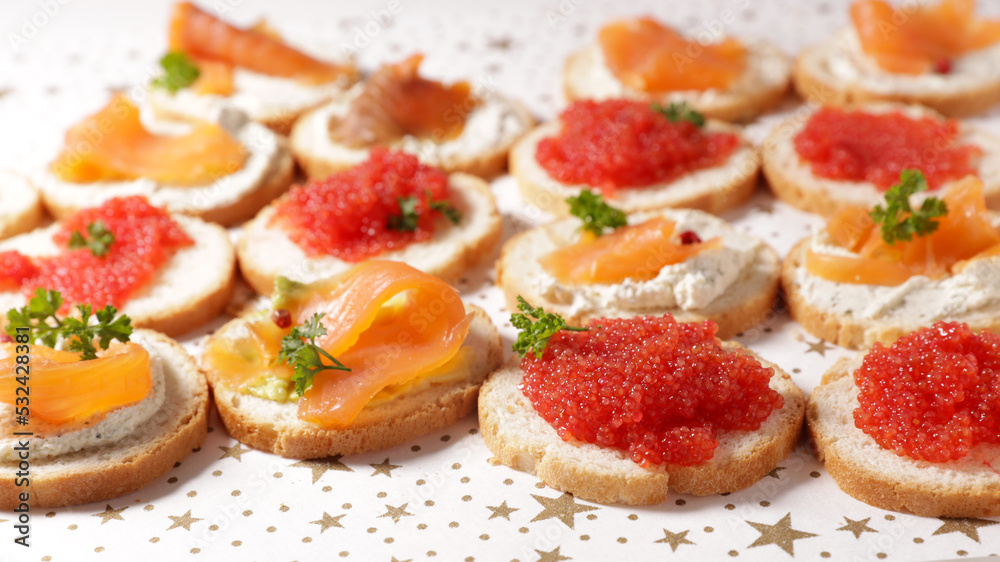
<point>622,143</point>
<point>347,215</point>
<point>145,237</point>
<point>652,386</point>
<point>934,394</point>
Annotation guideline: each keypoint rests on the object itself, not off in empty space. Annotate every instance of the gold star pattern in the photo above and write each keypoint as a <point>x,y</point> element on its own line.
<point>553,556</point>
<point>674,539</point>
<point>396,513</point>
<point>857,527</point>
<point>781,534</point>
<point>563,508</point>
<point>384,467</point>
<point>501,510</point>
<point>819,346</point>
<point>110,514</point>
<point>233,452</point>
<point>320,466</point>
<point>183,521</point>
<point>774,471</point>
<point>326,522</point>
<point>967,526</point>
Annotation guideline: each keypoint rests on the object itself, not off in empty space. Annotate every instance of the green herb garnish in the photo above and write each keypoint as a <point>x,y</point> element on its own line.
<point>535,334</point>
<point>899,221</point>
<point>179,72</point>
<point>676,112</point>
<point>305,357</point>
<point>41,318</point>
<point>98,239</point>
<point>595,213</point>
<point>447,209</point>
<point>408,217</point>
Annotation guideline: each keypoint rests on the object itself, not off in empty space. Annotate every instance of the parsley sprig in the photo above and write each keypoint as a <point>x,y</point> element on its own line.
<point>899,220</point>
<point>534,334</point>
<point>41,318</point>
<point>299,350</point>
<point>98,239</point>
<point>179,72</point>
<point>595,213</point>
<point>408,217</point>
<point>676,112</point>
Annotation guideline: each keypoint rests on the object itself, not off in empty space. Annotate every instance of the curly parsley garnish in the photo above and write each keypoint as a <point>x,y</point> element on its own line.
<point>179,72</point>
<point>534,334</point>
<point>408,217</point>
<point>595,213</point>
<point>899,221</point>
<point>41,318</point>
<point>98,239</point>
<point>676,112</point>
<point>299,350</point>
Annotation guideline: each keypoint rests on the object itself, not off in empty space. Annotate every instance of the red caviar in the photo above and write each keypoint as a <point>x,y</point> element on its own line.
<point>859,146</point>
<point>652,386</point>
<point>622,143</point>
<point>347,215</point>
<point>934,394</point>
<point>145,237</point>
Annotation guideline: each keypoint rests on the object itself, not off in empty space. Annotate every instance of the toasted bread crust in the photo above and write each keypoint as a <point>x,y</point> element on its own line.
<point>25,212</point>
<point>106,472</point>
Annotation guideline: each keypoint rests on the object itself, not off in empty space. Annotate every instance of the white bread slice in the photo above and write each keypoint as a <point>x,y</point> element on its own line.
<point>711,189</point>
<point>838,72</point>
<point>267,173</point>
<point>266,252</point>
<point>968,487</point>
<point>815,305</point>
<point>762,86</point>
<point>20,206</point>
<point>521,439</point>
<point>116,469</point>
<point>275,427</point>
<point>481,148</point>
<point>792,180</point>
<point>190,289</point>
<point>744,304</point>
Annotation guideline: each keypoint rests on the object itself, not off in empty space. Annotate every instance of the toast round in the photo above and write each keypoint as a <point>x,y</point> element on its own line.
<point>191,288</point>
<point>968,487</point>
<point>837,72</point>
<point>93,474</point>
<point>518,437</point>
<point>714,190</point>
<point>20,205</point>
<point>792,180</point>
<point>266,251</point>
<point>852,328</point>
<point>481,149</point>
<point>761,87</point>
<point>275,427</point>
<point>744,304</point>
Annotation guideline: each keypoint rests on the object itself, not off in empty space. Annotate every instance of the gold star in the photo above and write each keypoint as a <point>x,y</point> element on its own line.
<point>500,43</point>
<point>108,514</point>
<point>553,556</point>
<point>774,471</point>
<point>396,513</point>
<point>967,526</point>
<point>320,466</point>
<point>675,539</point>
<point>781,534</point>
<point>857,527</point>
<point>235,451</point>
<point>183,521</point>
<point>326,522</point>
<point>501,510</point>
<point>564,508</point>
<point>384,468</point>
<point>820,346</point>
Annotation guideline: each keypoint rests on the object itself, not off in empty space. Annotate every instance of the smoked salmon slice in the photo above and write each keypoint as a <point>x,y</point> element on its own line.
<point>635,252</point>
<point>203,36</point>
<point>214,77</point>
<point>913,40</point>
<point>125,150</point>
<point>650,57</point>
<point>965,233</point>
<point>65,390</point>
